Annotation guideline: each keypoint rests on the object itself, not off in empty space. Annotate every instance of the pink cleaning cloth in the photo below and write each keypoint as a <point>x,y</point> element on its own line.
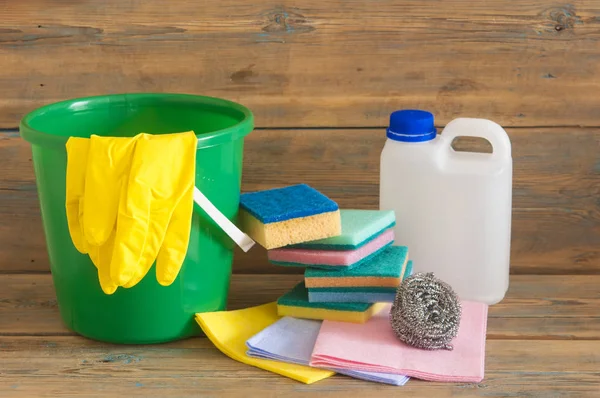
<point>373,347</point>
<point>331,257</point>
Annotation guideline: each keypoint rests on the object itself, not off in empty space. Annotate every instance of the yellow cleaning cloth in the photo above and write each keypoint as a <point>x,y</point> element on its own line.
<point>129,203</point>
<point>229,331</point>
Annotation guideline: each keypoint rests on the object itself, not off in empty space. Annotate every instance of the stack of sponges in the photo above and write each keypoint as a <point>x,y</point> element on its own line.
<point>351,265</point>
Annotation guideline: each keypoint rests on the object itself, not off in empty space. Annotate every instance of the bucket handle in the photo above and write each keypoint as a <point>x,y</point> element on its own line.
<point>240,238</point>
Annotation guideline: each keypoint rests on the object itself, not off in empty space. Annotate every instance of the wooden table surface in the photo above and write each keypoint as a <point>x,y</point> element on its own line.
<point>543,341</point>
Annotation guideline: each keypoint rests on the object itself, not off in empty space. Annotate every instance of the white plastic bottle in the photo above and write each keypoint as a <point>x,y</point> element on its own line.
<point>453,209</point>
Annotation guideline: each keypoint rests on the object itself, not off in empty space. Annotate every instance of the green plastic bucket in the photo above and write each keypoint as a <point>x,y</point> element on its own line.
<point>148,312</point>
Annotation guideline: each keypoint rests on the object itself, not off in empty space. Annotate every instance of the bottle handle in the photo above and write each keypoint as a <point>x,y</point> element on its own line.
<point>480,128</point>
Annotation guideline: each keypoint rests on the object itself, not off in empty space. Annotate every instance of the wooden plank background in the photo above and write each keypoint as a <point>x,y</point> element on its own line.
<point>308,63</point>
<point>556,219</point>
<point>322,79</point>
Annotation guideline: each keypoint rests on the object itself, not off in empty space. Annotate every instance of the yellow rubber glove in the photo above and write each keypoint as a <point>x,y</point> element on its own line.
<point>101,257</point>
<point>129,204</point>
<point>77,155</point>
<point>109,163</point>
<point>107,175</point>
<point>229,331</point>
<point>97,169</point>
<point>155,215</point>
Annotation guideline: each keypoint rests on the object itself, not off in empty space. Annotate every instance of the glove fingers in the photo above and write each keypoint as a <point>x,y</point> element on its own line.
<point>106,283</point>
<point>162,171</point>
<point>101,256</point>
<point>133,218</point>
<point>156,234</point>
<point>78,152</point>
<point>108,164</point>
<point>105,257</point>
<point>77,155</point>
<point>138,275</point>
<point>175,245</point>
<point>158,175</point>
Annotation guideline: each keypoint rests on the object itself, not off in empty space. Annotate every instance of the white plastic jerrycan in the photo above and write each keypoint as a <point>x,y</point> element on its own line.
<point>453,209</point>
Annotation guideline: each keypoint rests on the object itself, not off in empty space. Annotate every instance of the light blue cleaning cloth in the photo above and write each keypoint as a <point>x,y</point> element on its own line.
<point>292,340</point>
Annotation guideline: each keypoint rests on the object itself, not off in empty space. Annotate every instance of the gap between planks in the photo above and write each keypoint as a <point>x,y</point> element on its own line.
<point>15,130</point>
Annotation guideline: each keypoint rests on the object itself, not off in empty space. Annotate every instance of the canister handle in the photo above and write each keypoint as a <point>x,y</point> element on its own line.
<point>481,128</point>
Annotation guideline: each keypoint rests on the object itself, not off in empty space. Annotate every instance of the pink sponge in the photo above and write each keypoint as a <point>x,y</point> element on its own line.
<point>328,259</point>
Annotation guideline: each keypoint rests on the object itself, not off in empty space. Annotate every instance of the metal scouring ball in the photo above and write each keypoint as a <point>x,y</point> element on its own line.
<point>426,312</point>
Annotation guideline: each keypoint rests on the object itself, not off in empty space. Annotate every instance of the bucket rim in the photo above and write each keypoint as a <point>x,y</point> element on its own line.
<point>228,134</point>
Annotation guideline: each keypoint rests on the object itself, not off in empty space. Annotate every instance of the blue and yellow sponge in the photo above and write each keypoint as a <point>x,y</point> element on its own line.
<point>285,216</point>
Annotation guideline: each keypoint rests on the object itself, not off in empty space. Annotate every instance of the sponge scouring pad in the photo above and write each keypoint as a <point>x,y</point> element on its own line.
<point>359,227</point>
<point>331,259</point>
<point>295,304</point>
<point>383,270</point>
<point>356,294</point>
<point>285,216</point>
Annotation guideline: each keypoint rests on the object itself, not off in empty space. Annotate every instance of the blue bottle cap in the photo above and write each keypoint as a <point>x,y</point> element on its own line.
<point>411,125</point>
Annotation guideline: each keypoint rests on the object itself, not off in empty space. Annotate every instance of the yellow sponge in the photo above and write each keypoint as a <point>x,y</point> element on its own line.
<point>289,232</point>
<point>285,216</point>
<point>331,315</point>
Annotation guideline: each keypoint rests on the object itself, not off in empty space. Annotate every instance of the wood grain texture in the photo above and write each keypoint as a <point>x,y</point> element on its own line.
<point>310,63</point>
<point>556,192</point>
<point>535,308</point>
<point>48,367</point>
<point>530,349</point>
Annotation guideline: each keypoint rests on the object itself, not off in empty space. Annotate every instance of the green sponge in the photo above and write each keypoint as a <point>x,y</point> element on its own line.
<point>359,227</point>
<point>383,270</point>
<point>356,294</point>
<point>295,304</point>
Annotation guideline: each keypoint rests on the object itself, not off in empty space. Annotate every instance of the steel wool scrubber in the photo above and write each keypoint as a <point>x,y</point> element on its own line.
<point>426,312</point>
